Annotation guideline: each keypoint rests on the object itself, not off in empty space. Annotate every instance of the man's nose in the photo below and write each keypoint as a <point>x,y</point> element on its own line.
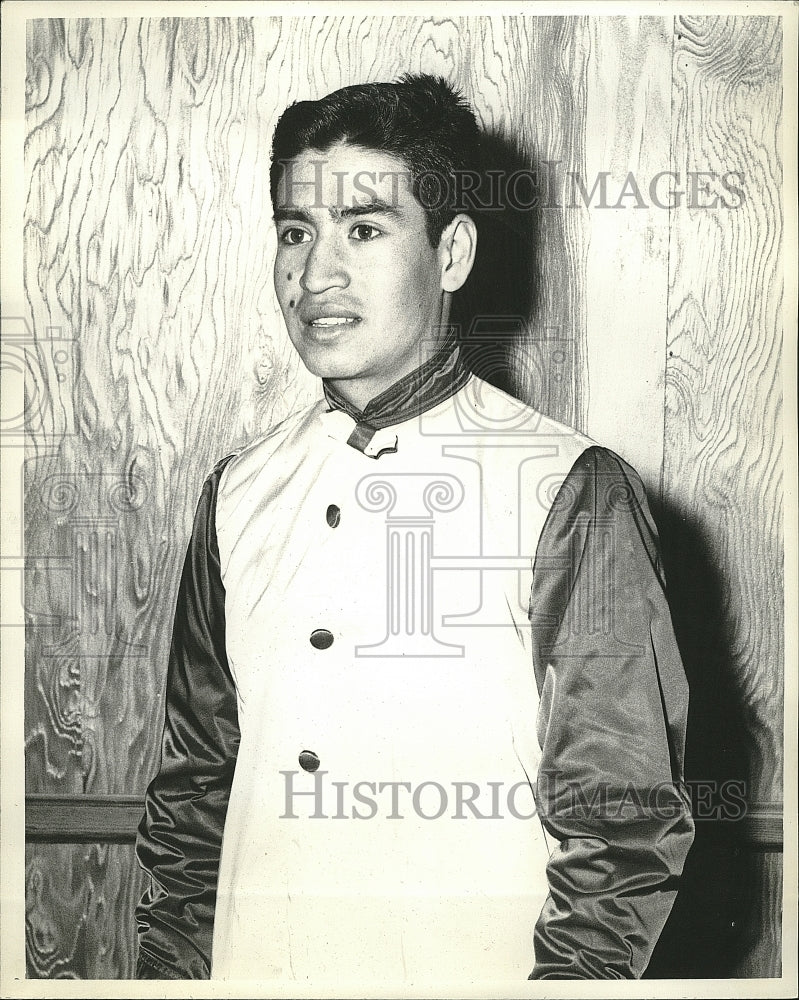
<point>324,267</point>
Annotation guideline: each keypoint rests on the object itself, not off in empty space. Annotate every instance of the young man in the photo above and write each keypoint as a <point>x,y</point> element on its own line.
<point>423,676</point>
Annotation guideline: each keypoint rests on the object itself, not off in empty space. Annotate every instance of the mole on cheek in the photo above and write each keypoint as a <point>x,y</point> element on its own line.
<point>291,303</point>
<point>288,276</point>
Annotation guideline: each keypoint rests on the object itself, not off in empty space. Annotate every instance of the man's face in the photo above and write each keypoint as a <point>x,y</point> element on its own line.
<point>357,281</point>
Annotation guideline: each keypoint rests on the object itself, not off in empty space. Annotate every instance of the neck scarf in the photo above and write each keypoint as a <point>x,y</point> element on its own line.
<point>435,380</point>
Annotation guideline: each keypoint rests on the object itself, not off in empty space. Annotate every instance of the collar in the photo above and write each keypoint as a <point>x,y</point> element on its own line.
<point>435,380</point>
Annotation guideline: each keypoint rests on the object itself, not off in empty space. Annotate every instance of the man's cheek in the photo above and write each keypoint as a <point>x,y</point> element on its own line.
<point>287,287</point>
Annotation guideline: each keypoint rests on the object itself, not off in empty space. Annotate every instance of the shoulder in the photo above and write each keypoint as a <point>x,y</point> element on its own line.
<point>601,498</point>
<point>573,463</point>
<point>500,412</point>
<point>237,467</point>
<point>600,480</point>
<point>498,418</point>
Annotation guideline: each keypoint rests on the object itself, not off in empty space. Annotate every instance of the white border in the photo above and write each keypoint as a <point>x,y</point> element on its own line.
<point>12,964</point>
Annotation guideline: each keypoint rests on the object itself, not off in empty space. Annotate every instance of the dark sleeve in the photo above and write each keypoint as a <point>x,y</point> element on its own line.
<point>611,725</point>
<point>180,835</point>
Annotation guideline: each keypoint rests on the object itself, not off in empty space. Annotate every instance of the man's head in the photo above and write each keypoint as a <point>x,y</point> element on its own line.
<point>370,244</point>
<point>419,120</point>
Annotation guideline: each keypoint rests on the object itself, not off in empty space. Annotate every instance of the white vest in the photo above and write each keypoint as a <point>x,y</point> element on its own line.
<point>418,564</point>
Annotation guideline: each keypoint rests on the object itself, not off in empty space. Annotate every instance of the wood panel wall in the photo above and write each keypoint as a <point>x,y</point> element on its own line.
<point>159,347</point>
<point>721,496</point>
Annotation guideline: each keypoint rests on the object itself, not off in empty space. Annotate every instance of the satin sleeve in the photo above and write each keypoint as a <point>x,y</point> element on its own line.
<point>180,836</point>
<point>611,726</point>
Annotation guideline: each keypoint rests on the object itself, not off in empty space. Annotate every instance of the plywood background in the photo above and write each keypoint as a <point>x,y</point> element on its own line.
<point>158,347</point>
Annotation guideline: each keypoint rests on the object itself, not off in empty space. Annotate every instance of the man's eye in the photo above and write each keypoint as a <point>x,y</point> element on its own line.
<point>293,236</point>
<point>364,232</point>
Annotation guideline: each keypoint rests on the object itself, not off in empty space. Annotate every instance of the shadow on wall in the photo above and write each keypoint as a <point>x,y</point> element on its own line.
<point>498,302</point>
<point>714,927</point>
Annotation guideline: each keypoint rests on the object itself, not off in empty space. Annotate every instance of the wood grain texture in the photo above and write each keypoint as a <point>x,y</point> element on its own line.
<point>628,145</point>
<point>723,462</point>
<point>91,933</point>
<point>538,119</point>
<point>159,347</point>
<point>721,502</point>
<point>760,954</point>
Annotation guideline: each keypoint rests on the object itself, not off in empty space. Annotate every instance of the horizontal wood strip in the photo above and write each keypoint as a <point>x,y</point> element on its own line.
<point>760,828</point>
<point>65,819</point>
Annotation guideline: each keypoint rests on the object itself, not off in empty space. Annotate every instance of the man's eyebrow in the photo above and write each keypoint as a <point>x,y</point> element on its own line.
<point>291,215</point>
<point>374,207</point>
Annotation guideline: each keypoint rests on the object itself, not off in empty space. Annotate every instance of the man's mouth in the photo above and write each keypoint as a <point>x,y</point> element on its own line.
<point>326,321</point>
<point>327,315</point>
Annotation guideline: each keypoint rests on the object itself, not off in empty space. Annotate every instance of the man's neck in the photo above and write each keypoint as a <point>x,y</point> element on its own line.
<point>434,380</point>
<point>359,392</point>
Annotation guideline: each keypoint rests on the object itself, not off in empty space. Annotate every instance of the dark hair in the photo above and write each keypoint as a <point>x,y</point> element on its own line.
<point>420,119</point>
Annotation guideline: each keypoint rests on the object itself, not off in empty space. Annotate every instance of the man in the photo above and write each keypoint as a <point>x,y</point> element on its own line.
<point>404,611</point>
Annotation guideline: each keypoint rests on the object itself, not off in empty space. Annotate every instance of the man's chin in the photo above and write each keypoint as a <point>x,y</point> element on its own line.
<point>330,364</point>
<point>332,372</point>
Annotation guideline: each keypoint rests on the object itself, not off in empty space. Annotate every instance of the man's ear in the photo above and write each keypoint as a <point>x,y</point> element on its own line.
<point>456,251</point>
